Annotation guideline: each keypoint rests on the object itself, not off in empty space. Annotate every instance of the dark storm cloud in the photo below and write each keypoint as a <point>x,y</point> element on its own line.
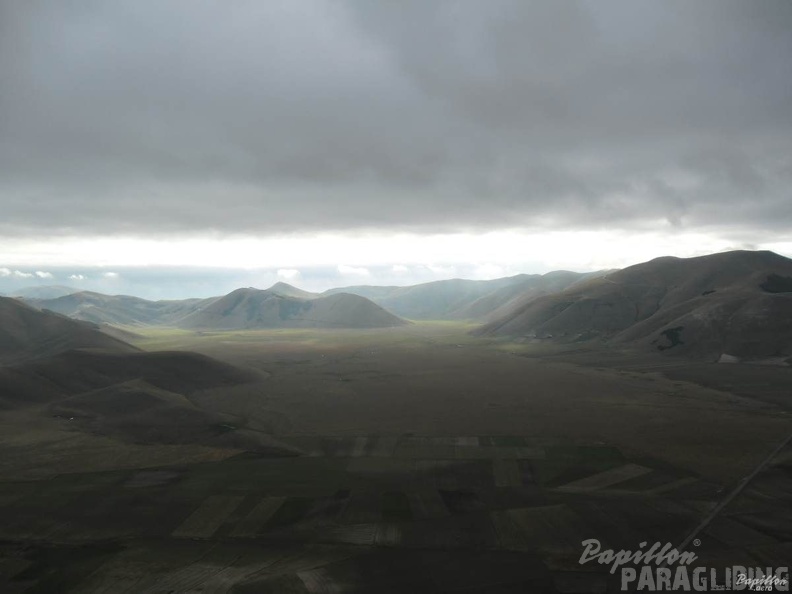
<point>148,117</point>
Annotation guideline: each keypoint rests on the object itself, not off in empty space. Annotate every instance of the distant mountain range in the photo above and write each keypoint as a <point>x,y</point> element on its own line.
<point>247,309</point>
<point>281,306</point>
<point>284,305</point>
<point>731,305</point>
<point>460,299</point>
<point>119,309</point>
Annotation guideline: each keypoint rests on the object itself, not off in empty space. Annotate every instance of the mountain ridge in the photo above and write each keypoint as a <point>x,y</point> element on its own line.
<point>246,309</point>
<point>706,306</point>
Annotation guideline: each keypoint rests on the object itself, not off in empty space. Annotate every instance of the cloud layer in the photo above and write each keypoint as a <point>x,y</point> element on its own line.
<point>147,118</point>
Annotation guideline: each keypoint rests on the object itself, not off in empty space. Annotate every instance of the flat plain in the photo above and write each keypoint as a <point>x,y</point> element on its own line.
<point>429,461</point>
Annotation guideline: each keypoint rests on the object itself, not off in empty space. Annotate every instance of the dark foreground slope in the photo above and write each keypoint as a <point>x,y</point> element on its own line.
<point>26,333</point>
<point>135,397</point>
<point>734,303</point>
<point>76,371</point>
<point>246,309</point>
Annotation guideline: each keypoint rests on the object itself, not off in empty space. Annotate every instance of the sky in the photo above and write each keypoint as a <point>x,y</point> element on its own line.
<point>187,147</point>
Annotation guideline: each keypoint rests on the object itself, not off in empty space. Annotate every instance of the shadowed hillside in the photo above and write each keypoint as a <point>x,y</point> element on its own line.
<point>704,307</point>
<point>26,333</point>
<point>138,412</point>
<point>526,286</point>
<point>136,397</point>
<point>461,298</point>
<point>77,371</point>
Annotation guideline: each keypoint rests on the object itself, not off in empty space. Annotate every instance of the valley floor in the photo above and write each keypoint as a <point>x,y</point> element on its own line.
<point>431,461</point>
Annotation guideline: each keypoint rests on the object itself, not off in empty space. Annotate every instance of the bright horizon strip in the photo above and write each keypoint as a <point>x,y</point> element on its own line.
<point>543,251</point>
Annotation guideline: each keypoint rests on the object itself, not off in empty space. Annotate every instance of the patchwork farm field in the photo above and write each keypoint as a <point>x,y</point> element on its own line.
<point>422,460</point>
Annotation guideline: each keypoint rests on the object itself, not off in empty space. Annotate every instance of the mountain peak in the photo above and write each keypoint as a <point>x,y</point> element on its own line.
<point>287,290</point>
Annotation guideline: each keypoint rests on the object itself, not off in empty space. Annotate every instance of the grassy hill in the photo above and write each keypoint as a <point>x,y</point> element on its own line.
<point>139,397</point>
<point>246,309</point>
<point>27,333</point>
<point>122,310</point>
<point>461,299</point>
<point>703,307</point>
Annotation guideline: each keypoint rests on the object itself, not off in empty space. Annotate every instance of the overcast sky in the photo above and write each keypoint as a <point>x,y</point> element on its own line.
<point>384,141</point>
